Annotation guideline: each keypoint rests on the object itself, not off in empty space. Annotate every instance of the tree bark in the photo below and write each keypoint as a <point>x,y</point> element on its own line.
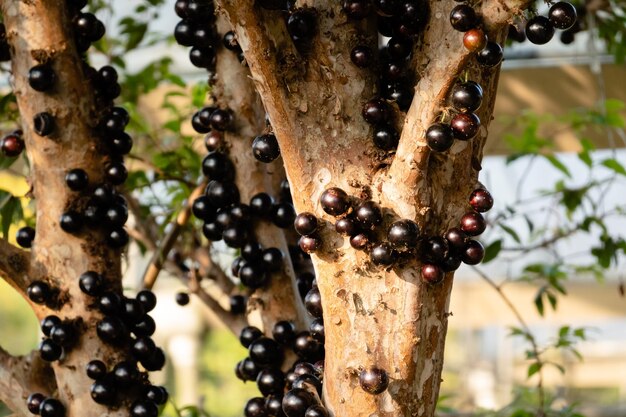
<point>40,32</point>
<point>373,316</point>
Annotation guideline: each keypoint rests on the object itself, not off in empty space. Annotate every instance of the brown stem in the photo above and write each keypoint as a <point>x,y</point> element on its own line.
<point>14,266</point>
<point>160,254</point>
<point>21,376</point>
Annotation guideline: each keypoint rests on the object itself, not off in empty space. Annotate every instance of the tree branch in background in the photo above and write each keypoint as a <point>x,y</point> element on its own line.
<point>14,266</point>
<point>21,376</point>
<point>160,254</point>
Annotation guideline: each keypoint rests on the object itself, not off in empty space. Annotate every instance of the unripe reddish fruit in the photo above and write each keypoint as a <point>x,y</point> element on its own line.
<point>474,40</point>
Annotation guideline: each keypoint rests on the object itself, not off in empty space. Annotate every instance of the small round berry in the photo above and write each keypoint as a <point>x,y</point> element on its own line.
<point>369,215</point>
<point>103,392</point>
<point>346,226</point>
<point>96,369</point>
<point>562,15</point>
<point>373,380</point>
<point>313,302</point>
<point>43,124</point>
<point>265,148</point>
<point>360,241</point>
<point>33,402</point>
<point>474,252</point>
<point>237,304</point>
<point>305,223</point>
<point>403,234</point>
<point>439,137</point>
<point>270,381</point>
<point>301,24</point>
<point>466,97</point>
<point>335,201</point>
<point>273,259</point>
<point>463,18</point>
<point>221,119</point>
<point>386,137</point>
<point>283,215</point>
<point>147,299</point>
<point>539,30</point>
<point>51,407</point>
<point>261,204</point>
<point>296,401</point>
<point>473,224</point>
<point>39,292</point>
<point>432,273</point>
<point>41,77</point>
<point>265,351</point>
<point>362,56</point>
<point>182,298</point>
<point>157,394</point>
<point>491,55</point>
<point>25,236</point>
<point>383,254</point>
<point>255,407</point>
<point>465,126</point>
<point>317,330</point>
<point>48,323</point>
<point>116,173</point>
<point>377,111</point>
<point>356,9</point>
<point>91,283</point>
<point>49,350</point>
<point>144,408</point>
<point>474,40</point>
<point>111,330</point>
<point>316,410</point>
<point>12,145</point>
<point>76,179</point>
<point>310,243</point>
<point>117,238</point>
<point>481,200</point>
<point>248,335</point>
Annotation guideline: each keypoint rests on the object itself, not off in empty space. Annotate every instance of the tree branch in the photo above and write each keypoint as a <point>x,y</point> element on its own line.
<point>20,376</point>
<point>14,266</point>
<point>160,254</point>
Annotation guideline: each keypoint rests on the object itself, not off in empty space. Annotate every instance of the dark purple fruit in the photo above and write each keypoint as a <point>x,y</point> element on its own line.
<point>111,330</point>
<point>33,402</point>
<point>71,222</point>
<point>63,334</point>
<point>296,401</point>
<point>41,77</point>
<point>261,204</point>
<point>463,18</point>
<point>481,200</point>
<point>356,9</point>
<point>202,57</point>
<point>562,15</point>
<point>317,330</point>
<point>539,30</point>
<point>283,215</point>
<point>110,303</point>
<point>346,226</point>
<point>465,126</point>
<point>377,111</point>
<point>43,124</point>
<point>144,408</point>
<point>403,234</point>
<point>144,327</point>
<point>457,240</point>
<point>51,407</point>
<point>266,352</point>
<point>48,323</point>
<point>255,407</point>
<point>473,224</point>
<point>284,332</point>
<point>248,335</point>
<point>25,236</point>
<point>12,145</point>
<point>305,223</point>
<point>103,392</point>
<point>221,119</point>
<point>273,259</point>
<point>77,179</point>
<point>50,350</point>
<point>182,298</point>
<point>157,394</point>
<point>316,410</point>
<point>265,148</point>
<point>434,249</point>
<point>335,201</point>
<point>313,302</point>
<point>253,275</point>
<point>383,254</point>
<point>310,244</point>
<point>360,241</point>
<point>217,166</point>
<point>368,215</point>
<point>90,283</point>
<point>439,137</point>
<point>96,369</point>
<point>373,380</point>
<point>432,273</point>
<point>491,55</point>
<point>474,252</point>
<point>39,292</point>
<point>270,381</point>
<point>301,24</point>
<point>117,238</point>
<point>361,56</point>
<point>386,137</point>
<point>147,299</point>
<point>116,173</point>
<point>466,97</point>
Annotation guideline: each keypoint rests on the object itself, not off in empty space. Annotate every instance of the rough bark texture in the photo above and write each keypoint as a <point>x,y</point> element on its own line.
<point>39,32</point>
<point>372,316</point>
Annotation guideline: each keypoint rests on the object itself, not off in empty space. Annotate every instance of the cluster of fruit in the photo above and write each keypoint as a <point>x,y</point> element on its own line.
<point>197,29</point>
<point>301,22</point>
<point>464,18</point>
<point>540,29</point>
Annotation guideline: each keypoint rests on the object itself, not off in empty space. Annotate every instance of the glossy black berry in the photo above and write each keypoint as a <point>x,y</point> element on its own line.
<point>313,302</point>
<point>91,283</point>
<point>41,77</point>
<point>120,143</point>
<point>539,30</point>
<point>12,145</point>
<point>218,166</point>
<point>481,200</point>
<point>47,323</point>
<point>434,249</point>
<point>116,173</point>
<point>305,223</point>
<point>562,15</point>
<point>466,97</point>
<point>77,179</point>
<point>111,330</point>
<point>202,57</point>
<point>221,119</point>
<point>145,327</point>
<point>255,407</point>
<point>399,48</point>
<point>39,292</point>
<point>261,204</point>
<point>373,380</point>
<point>96,369</point>
<point>310,243</point>
<point>368,215</point>
<point>154,362</point>
<point>144,408</point>
<point>222,194</point>
<point>308,381</point>
<point>248,335</point>
<point>117,238</point>
<point>457,240</point>
<point>432,273</point>
<point>110,303</point>
<point>25,236</point>
<point>356,9</point>
<point>43,124</point>
<point>316,410</point>
<point>71,222</point>
<point>147,299</point>
<point>273,259</point>
<point>103,392</point>
<point>284,332</point>
<point>270,381</point>
<point>182,298</point>
<point>465,126</point>
<point>377,111</point>
<point>473,253</point>
<point>360,241</point>
<point>386,137</point>
<point>301,25</point>
<point>237,304</point>
<point>439,137</point>
<point>51,407</point>
<point>265,148</point>
<point>283,215</point>
<point>383,254</point>
<point>253,275</point>
<point>473,224</point>
<point>63,334</point>
<point>346,226</point>
<point>491,55</point>
<point>132,310</point>
<point>362,56</point>
<point>463,18</point>
<point>50,350</point>
<point>403,234</point>
<point>235,236</point>
<point>317,330</point>
<point>33,402</point>
<point>335,201</point>
<point>157,394</point>
<point>265,351</point>
<point>125,373</point>
<point>296,401</point>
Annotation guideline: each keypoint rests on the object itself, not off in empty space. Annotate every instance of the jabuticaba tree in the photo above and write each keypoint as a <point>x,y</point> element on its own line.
<point>346,311</point>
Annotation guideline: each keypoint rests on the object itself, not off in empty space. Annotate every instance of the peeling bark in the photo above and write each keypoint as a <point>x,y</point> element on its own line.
<point>14,266</point>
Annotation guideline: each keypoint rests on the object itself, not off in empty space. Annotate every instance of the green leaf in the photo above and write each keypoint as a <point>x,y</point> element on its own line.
<point>10,209</point>
<point>534,368</point>
<point>558,164</point>
<point>510,232</point>
<point>492,250</point>
<point>564,331</point>
<point>612,164</point>
<point>551,299</point>
<point>539,301</point>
